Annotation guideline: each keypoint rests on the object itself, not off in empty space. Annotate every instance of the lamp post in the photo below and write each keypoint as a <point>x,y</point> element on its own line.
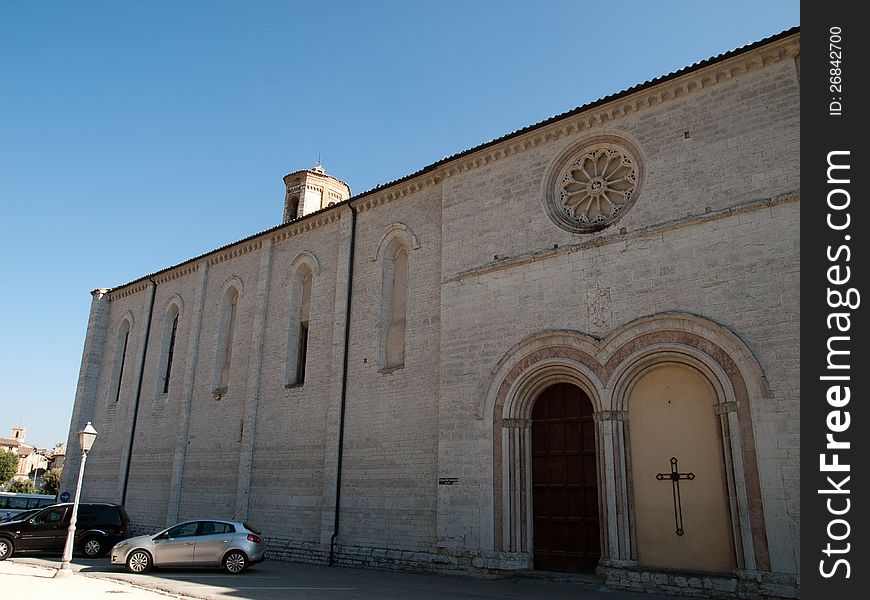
<point>86,440</point>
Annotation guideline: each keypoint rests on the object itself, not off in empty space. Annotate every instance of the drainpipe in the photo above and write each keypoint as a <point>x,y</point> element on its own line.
<point>138,390</point>
<point>343,386</point>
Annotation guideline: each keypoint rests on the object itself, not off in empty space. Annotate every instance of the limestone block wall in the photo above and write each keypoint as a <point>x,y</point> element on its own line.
<point>742,145</point>
<point>703,238</point>
<point>290,439</point>
<point>391,435</point>
<point>158,419</point>
<point>112,419</point>
<point>216,426</point>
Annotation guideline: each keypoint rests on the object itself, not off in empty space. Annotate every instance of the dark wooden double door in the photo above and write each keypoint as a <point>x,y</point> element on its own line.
<point>564,481</point>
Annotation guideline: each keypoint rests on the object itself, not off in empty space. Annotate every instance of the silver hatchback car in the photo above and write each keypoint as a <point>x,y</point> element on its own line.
<point>233,545</point>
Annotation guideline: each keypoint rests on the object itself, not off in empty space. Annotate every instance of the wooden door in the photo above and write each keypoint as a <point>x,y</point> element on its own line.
<point>564,481</point>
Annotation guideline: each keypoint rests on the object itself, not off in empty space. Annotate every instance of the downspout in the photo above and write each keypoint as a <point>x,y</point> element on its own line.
<point>138,390</point>
<point>343,385</point>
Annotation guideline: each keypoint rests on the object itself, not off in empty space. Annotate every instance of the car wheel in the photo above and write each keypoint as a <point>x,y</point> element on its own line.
<point>93,547</point>
<point>235,562</point>
<point>6,548</point>
<point>139,561</point>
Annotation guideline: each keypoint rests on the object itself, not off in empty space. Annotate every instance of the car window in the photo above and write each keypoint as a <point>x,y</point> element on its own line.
<point>224,528</point>
<point>205,528</point>
<point>183,530</point>
<point>251,528</point>
<point>50,516</point>
<point>103,515</point>
<point>214,527</point>
<point>85,514</point>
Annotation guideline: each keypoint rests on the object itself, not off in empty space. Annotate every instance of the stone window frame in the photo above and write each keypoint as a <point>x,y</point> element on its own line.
<point>396,236</point>
<point>226,338</point>
<point>121,358</point>
<point>174,306</point>
<point>305,264</point>
<point>550,196</point>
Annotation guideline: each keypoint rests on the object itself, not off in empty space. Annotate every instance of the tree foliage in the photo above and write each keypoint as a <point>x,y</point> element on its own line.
<point>24,486</point>
<point>8,465</point>
<point>51,482</point>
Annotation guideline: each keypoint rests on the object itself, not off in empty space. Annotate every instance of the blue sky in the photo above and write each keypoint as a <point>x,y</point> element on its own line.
<point>135,135</point>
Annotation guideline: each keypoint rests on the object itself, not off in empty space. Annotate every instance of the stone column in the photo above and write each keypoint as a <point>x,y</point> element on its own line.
<point>89,380</point>
<point>252,396</point>
<point>612,487</point>
<point>738,497</point>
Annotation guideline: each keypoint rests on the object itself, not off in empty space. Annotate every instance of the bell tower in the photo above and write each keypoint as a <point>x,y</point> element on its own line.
<point>310,190</point>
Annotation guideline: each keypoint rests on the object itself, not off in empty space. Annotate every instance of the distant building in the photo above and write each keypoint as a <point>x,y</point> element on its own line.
<point>56,457</point>
<point>32,462</point>
<point>12,444</point>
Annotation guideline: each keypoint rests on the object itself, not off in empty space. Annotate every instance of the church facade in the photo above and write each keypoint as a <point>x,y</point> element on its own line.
<point>573,348</point>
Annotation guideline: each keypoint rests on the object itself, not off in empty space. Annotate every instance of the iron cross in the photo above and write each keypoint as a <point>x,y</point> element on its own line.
<point>674,476</point>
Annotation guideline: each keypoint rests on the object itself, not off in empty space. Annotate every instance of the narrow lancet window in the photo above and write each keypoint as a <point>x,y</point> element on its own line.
<point>395,305</point>
<point>303,328</point>
<point>120,361</point>
<point>300,311</point>
<point>225,342</point>
<point>170,353</point>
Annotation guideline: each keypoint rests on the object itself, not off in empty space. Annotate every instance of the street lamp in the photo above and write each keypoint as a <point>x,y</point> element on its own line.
<point>86,440</point>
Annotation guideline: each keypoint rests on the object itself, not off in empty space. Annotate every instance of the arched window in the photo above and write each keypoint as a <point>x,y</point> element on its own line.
<point>292,208</point>
<point>121,343</point>
<point>167,351</point>
<point>226,333</point>
<point>394,304</point>
<point>297,332</point>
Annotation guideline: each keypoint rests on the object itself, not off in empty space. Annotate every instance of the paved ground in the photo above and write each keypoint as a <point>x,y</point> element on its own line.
<point>21,580</point>
<point>272,580</point>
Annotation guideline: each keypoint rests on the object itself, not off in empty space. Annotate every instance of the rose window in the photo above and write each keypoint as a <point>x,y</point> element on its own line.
<point>598,185</point>
<point>595,186</point>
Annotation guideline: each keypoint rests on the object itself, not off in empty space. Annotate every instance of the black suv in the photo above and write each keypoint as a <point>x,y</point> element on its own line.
<point>98,528</point>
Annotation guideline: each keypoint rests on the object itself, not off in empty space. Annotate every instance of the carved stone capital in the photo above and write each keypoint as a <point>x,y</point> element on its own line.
<point>725,407</point>
<point>610,415</point>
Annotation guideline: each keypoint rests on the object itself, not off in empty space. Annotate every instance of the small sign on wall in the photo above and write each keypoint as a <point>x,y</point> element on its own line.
<point>448,480</point>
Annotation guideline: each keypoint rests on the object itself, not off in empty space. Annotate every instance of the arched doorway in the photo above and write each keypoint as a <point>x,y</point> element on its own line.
<point>564,481</point>
<point>681,510</point>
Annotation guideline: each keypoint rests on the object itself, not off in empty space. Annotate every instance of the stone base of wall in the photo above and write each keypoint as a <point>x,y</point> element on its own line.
<point>145,528</point>
<point>627,575</point>
<point>746,585</point>
<point>490,565</point>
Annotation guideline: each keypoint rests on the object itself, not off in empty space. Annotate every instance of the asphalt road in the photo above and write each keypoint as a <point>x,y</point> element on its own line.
<point>272,580</point>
